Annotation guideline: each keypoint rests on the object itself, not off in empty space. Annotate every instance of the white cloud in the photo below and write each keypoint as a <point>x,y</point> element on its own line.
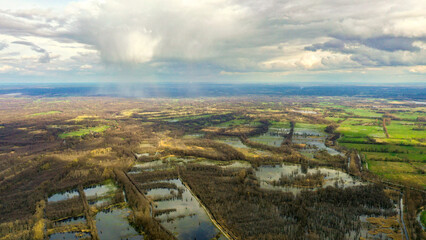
<point>214,36</point>
<point>137,31</point>
<point>86,66</point>
<point>5,68</point>
<point>418,69</point>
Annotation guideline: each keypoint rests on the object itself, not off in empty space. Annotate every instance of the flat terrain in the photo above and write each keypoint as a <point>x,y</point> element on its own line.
<point>260,167</point>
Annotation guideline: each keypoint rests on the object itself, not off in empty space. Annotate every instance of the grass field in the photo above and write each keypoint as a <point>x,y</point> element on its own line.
<point>400,141</point>
<point>400,158</point>
<point>83,117</point>
<point>237,122</point>
<point>362,112</point>
<point>405,130</point>
<point>361,128</point>
<point>45,113</point>
<point>345,139</point>
<point>334,119</point>
<point>311,126</point>
<point>407,113</point>
<point>191,117</point>
<point>398,172</point>
<point>84,131</point>
<point>383,167</point>
<point>385,148</point>
<point>396,156</point>
<point>389,152</point>
<point>275,124</point>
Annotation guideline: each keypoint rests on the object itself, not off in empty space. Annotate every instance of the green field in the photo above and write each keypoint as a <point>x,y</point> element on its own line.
<point>45,113</point>
<point>405,130</point>
<point>320,127</point>
<point>407,113</point>
<point>237,122</point>
<point>84,131</point>
<point>389,152</point>
<point>275,124</point>
<point>385,148</point>
<point>191,117</point>
<point>395,156</point>
<point>398,172</point>
<point>361,128</point>
<point>361,112</point>
<point>399,158</point>
<point>334,119</point>
<point>345,139</point>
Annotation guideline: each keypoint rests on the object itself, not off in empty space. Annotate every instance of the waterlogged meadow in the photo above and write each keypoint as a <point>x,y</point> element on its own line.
<point>106,208</point>
<point>181,213</point>
<point>270,177</point>
<point>174,206</point>
<point>228,168</point>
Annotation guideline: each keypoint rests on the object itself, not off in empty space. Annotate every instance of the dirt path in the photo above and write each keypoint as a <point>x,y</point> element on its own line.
<point>154,225</point>
<point>89,219</point>
<point>385,130</point>
<point>289,137</point>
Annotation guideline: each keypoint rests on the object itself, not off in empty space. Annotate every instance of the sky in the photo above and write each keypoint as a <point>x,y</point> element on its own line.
<point>224,41</point>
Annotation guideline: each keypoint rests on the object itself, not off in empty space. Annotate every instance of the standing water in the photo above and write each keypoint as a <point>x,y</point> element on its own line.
<point>183,215</point>
<point>268,174</point>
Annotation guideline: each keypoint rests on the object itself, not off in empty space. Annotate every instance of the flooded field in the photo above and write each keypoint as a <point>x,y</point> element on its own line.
<point>100,190</point>
<point>113,224</point>
<point>71,221</point>
<point>314,140</point>
<point>174,205</point>
<point>232,141</point>
<point>182,214</point>
<point>63,196</point>
<point>268,174</point>
<point>111,220</point>
<point>274,137</point>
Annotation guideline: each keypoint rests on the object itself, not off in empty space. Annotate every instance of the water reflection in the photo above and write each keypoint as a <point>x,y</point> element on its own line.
<point>63,196</point>
<point>112,224</point>
<point>183,214</point>
<point>268,174</point>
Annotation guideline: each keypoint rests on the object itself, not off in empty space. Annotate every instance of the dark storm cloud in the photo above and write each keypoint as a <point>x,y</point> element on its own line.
<point>391,44</point>
<point>334,45</point>
<point>228,35</point>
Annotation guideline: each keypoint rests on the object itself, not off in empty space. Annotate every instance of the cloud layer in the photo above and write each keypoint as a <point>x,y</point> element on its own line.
<point>213,38</point>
